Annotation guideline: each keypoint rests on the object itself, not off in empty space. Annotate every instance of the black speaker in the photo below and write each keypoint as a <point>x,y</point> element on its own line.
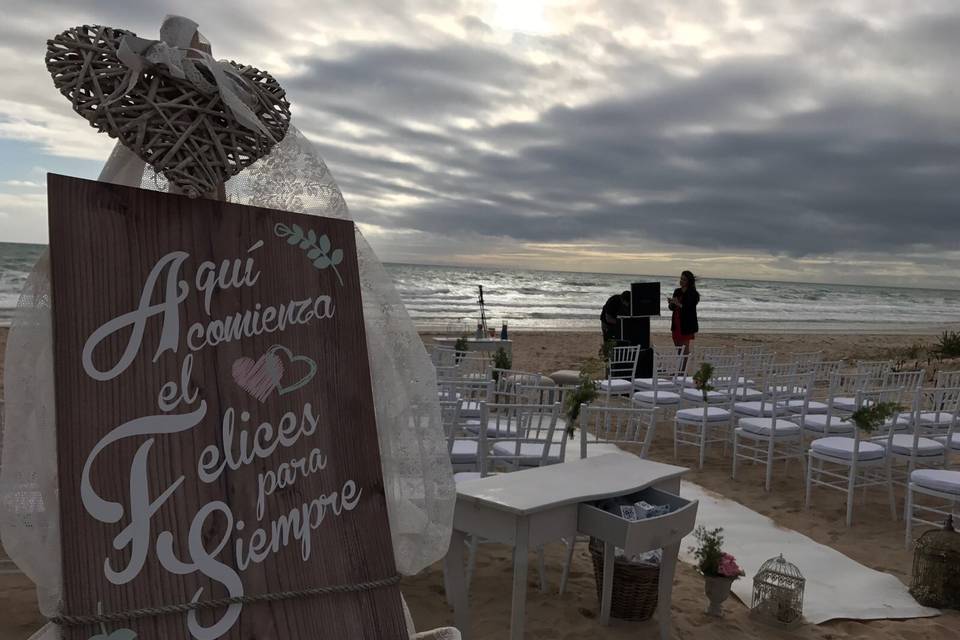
<point>636,331</point>
<point>645,364</point>
<point>645,299</point>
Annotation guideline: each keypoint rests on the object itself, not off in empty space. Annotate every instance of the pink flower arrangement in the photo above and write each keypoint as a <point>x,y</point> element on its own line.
<point>728,567</point>
<point>711,559</point>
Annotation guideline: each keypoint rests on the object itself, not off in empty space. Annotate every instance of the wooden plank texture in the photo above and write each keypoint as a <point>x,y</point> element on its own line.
<point>262,372</point>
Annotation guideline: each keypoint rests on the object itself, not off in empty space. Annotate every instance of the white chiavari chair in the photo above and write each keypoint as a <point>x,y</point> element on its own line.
<point>948,379</point>
<point>697,358</point>
<point>662,390</point>
<point>709,420</point>
<point>621,369</point>
<point>616,425</point>
<point>934,494</point>
<point>823,373</point>
<point>763,434</point>
<point>753,367</point>
<point>848,463</point>
<point>607,425</point>
<point>470,392</point>
<point>933,415</point>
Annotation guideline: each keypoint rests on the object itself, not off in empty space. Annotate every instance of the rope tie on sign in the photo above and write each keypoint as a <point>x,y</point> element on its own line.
<point>174,52</point>
<point>152,612</point>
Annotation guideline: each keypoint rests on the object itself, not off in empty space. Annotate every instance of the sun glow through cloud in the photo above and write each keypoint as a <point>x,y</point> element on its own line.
<point>524,16</point>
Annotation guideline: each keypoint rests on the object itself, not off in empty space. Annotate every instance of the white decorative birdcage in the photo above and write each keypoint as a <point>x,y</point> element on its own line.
<point>778,593</point>
<point>936,568</point>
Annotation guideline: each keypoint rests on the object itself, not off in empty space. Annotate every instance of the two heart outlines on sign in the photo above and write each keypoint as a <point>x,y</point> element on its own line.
<point>262,377</point>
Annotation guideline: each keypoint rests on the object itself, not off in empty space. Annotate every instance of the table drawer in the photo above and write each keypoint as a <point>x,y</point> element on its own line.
<point>641,535</point>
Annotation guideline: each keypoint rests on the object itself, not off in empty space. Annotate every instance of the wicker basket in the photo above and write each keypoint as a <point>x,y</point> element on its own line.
<point>635,587</point>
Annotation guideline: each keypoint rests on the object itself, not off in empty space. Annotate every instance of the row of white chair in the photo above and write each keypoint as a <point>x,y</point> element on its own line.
<point>767,413</point>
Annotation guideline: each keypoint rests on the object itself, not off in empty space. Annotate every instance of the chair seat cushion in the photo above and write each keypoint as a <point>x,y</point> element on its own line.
<point>656,397</point>
<point>465,476</point>
<point>713,397</point>
<point>616,385</point>
<point>565,377</point>
<point>688,381</point>
<point>848,403</point>
<point>936,417</point>
<point>696,414</point>
<point>647,383</point>
<point>845,403</point>
<point>954,440</point>
<point>530,452</point>
<point>902,443</point>
<point>813,407</point>
<point>463,451</point>
<point>839,447</point>
<point>937,479</point>
<point>901,422</point>
<point>503,429</point>
<point>747,394</point>
<point>756,408</point>
<point>765,427</point>
<point>818,423</point>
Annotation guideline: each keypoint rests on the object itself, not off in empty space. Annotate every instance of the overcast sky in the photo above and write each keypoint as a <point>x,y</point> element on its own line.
<point>776,139</point>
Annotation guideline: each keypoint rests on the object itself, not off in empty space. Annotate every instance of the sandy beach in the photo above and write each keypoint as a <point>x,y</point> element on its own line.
<point>874,540</point>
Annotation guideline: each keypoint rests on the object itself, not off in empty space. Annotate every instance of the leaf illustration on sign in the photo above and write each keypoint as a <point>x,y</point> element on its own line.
<point>262,377</point>
<point>316,247</point>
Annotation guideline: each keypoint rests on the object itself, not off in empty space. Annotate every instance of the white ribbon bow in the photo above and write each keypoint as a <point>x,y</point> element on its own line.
<point>174,52</point>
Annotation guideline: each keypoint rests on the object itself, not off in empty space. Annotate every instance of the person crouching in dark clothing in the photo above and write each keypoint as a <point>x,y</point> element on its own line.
<point>617,305</point>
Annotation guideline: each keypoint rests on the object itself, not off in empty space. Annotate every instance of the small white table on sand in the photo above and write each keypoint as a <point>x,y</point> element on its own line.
<point>527,509</point>
<point>479,344</point>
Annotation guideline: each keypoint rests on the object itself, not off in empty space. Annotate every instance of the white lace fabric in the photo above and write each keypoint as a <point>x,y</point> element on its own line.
<point>420,493</point>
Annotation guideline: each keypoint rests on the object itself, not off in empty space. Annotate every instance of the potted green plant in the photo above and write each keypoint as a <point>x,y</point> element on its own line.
<point>501,360</point>
<point>606,349</point>
<point>585,391</point>
<point>871,417</point>
<point>460,347</point>
<point>719,569</point>
<point>701,379</point>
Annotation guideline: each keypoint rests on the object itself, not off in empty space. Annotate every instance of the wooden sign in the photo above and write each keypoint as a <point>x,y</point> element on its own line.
<point>215,422</point>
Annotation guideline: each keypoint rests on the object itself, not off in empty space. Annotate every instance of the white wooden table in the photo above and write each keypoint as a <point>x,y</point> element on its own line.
<point>527,509</point>
<point>479,344</point>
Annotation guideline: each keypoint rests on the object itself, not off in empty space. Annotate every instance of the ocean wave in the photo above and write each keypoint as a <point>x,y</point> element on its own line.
<point>541,299</point>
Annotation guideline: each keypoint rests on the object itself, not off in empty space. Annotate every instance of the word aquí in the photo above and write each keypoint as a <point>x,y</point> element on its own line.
<point>240,443</point>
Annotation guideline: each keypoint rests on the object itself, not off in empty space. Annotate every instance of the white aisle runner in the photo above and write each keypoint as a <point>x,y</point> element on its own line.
<point>837,587</point>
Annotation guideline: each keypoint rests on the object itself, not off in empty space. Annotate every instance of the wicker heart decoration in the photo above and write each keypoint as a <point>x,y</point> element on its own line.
<point>181,128</point>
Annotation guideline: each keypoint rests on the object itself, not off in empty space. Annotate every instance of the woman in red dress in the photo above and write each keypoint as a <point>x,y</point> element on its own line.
<point>684,325</point>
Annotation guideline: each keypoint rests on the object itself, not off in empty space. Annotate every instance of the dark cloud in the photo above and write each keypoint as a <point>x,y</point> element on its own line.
<point>758,153</point>
<point>403,82</point>
<point>828,129</point>
<point>476,26</point>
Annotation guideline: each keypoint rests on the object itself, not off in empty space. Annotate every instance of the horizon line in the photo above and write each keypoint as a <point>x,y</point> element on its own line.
<point>626,275</point>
